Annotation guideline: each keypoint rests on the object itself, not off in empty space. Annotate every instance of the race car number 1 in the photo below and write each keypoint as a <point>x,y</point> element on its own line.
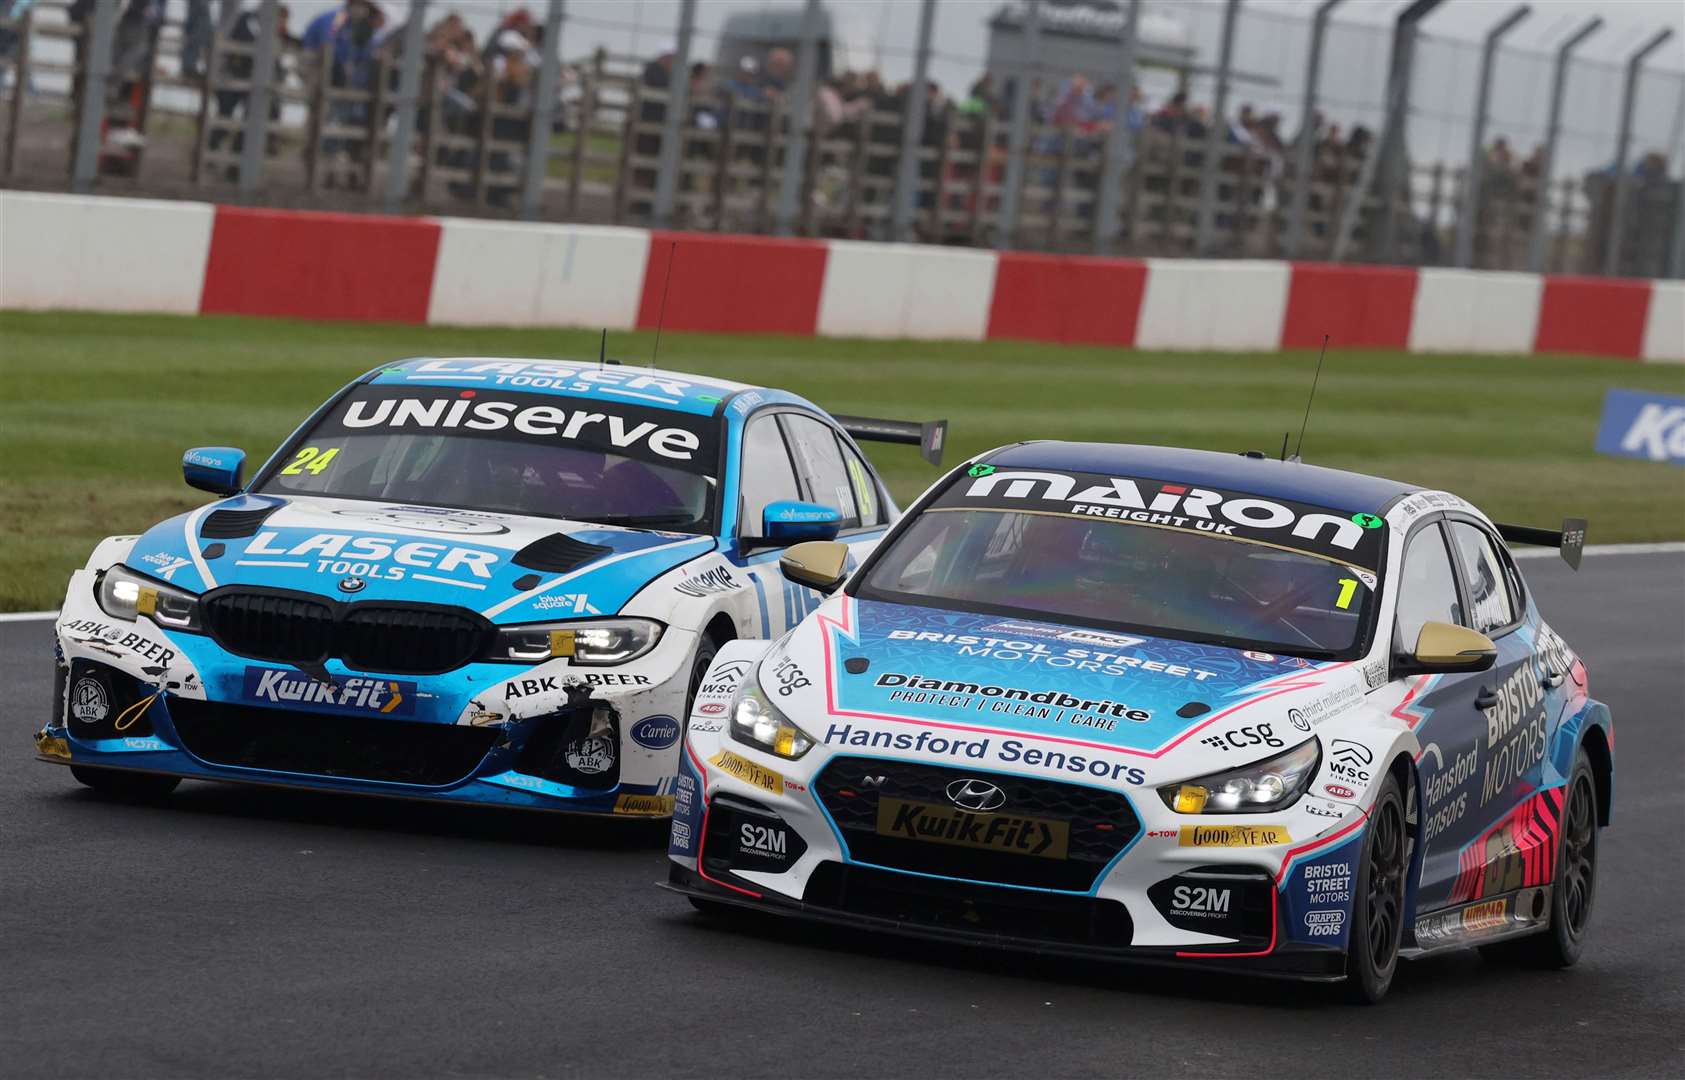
<point>310,460</point>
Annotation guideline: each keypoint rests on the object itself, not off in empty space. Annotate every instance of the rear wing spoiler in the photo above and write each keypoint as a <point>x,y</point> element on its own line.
<point>929,436</point>
<point>1571,541</point>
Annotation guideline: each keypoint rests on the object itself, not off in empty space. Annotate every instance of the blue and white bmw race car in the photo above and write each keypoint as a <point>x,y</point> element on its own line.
<point>1164,705</point>
<point>487,581</point>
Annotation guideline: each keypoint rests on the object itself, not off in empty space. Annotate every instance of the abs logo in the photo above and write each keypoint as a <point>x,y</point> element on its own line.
<point>655,732</point>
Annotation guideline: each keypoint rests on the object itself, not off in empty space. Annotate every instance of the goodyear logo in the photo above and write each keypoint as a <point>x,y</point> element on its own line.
<point>747,771</point>
<point>1232,836</point>
<point>353,694</point>
<point>644,805</point>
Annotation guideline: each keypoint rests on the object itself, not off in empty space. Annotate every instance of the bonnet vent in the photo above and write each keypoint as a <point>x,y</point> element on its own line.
<point>558,553</point>
<point>234,524</point>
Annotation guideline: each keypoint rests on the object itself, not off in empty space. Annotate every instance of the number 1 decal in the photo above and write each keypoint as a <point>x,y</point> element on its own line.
<point>1348,589</point>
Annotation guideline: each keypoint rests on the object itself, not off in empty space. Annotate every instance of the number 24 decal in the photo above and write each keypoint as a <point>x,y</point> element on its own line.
<point>313,461</point>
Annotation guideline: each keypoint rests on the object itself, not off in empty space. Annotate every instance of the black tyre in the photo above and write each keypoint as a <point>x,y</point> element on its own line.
<point>1574,889</point>
<point>706,650</point>
<point>125,784</point>
<point>1377,924</point>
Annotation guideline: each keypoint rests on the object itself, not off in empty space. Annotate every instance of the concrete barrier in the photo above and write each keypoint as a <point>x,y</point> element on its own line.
<point>75,253</point>
<point>115,254</point>
<point>1470,311</point>
<point>905,291</point>
<point>1213,304</point>
<point>494,273</point>
<point>1664,329</point>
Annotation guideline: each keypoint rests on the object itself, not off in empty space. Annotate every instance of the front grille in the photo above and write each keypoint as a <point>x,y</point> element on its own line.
<point>409,639</point>
<point>270,625</point>
<point>1101,823</point>
<point>348,747</point>
<point>296,628</point>
<point>967,908</point>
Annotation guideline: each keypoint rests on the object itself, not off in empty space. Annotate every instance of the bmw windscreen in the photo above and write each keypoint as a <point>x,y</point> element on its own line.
<point>1170,560</point>
<point>534,454</point>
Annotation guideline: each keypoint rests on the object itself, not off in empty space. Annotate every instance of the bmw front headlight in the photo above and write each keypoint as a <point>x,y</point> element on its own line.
<point>756,720</point>
<point>597,641</point>
<point>124,594</point>
<point>1259,788</point>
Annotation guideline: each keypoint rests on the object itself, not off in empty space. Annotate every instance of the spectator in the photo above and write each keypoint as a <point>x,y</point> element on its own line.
<point>780,67</point>
<point>981,100</point>
<point>195,39</point>
<point>704,109</point>
<point>238,67</point>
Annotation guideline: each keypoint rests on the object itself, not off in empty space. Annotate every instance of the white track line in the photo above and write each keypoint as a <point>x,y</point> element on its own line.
<point>1667,547</point>
<point>27,616</point>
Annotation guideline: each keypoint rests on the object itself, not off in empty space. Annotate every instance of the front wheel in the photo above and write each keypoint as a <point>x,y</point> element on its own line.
<point>1573,890</point>
<point>1377,924</point>
<point>125,784</point>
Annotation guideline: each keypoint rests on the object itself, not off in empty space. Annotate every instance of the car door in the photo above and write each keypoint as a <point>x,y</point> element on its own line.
<point>822,460</point>
<point>1451,727</point>
<point>768,475</point>
<point>1512,700</point>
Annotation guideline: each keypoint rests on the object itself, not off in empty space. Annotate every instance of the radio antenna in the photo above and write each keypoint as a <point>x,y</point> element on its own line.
<point>666,284</point>
<point>1322,352</point>
<point>602,350</point>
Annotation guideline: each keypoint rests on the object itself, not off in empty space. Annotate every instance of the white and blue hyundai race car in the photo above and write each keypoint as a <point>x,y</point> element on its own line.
<point>1163,705</point>
<point>483,581</point>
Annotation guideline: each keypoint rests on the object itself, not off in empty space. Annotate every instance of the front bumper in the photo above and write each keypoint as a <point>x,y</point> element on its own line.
<point>136,697</point>
<point>1127,882</point>
<point>1293,960</point>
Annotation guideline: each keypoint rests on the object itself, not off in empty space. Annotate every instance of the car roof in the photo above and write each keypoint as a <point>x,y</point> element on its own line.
<point>651,387</point>
<point>1255,475</point>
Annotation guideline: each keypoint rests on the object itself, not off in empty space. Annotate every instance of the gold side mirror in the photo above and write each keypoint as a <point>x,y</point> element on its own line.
<point>1443,647</point>
<point>818,564</point>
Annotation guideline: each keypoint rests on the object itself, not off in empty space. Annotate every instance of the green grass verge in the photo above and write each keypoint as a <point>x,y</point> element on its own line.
<point>95,411</point>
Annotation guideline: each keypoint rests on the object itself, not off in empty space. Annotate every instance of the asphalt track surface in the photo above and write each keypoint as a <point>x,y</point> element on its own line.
<point>238,931</point>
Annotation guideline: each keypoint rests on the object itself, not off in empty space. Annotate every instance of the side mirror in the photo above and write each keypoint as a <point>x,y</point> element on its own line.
<point>215,469</point>
<point>818,564</point>
<point>791,522</point>
<point>1441,647</point>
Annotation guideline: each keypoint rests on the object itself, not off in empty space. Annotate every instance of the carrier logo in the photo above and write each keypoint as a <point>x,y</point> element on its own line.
<point>655,732</point>
<point>1171,504</point>
<point>978,796</point>
<point>356,694</point>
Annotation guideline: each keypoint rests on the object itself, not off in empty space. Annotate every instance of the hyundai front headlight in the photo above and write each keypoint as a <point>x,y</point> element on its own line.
<point>1259,788</point>
<point>124,594</point>
<point>756,720</point>
<point>597,641</point>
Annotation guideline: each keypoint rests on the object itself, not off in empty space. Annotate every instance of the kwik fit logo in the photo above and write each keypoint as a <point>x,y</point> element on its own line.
<point>347,694</point>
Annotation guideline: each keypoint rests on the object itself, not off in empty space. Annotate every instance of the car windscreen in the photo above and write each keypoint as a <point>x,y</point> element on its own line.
<point>509,452</point>
<point>1147,556</point>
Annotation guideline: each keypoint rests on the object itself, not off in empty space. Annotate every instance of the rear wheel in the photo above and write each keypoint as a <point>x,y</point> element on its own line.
<point>1377,924</point>
<point>125,784</point>
<point>1575,887</point>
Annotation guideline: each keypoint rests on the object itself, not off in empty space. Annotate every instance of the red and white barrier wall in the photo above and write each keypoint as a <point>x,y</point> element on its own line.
<point>70,252</point>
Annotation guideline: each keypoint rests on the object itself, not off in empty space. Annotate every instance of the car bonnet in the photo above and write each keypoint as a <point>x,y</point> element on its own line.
<point>507,567</point>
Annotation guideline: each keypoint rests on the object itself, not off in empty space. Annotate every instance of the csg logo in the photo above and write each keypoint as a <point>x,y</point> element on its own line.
<point>655,732</point>
<point>1243,737</point>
